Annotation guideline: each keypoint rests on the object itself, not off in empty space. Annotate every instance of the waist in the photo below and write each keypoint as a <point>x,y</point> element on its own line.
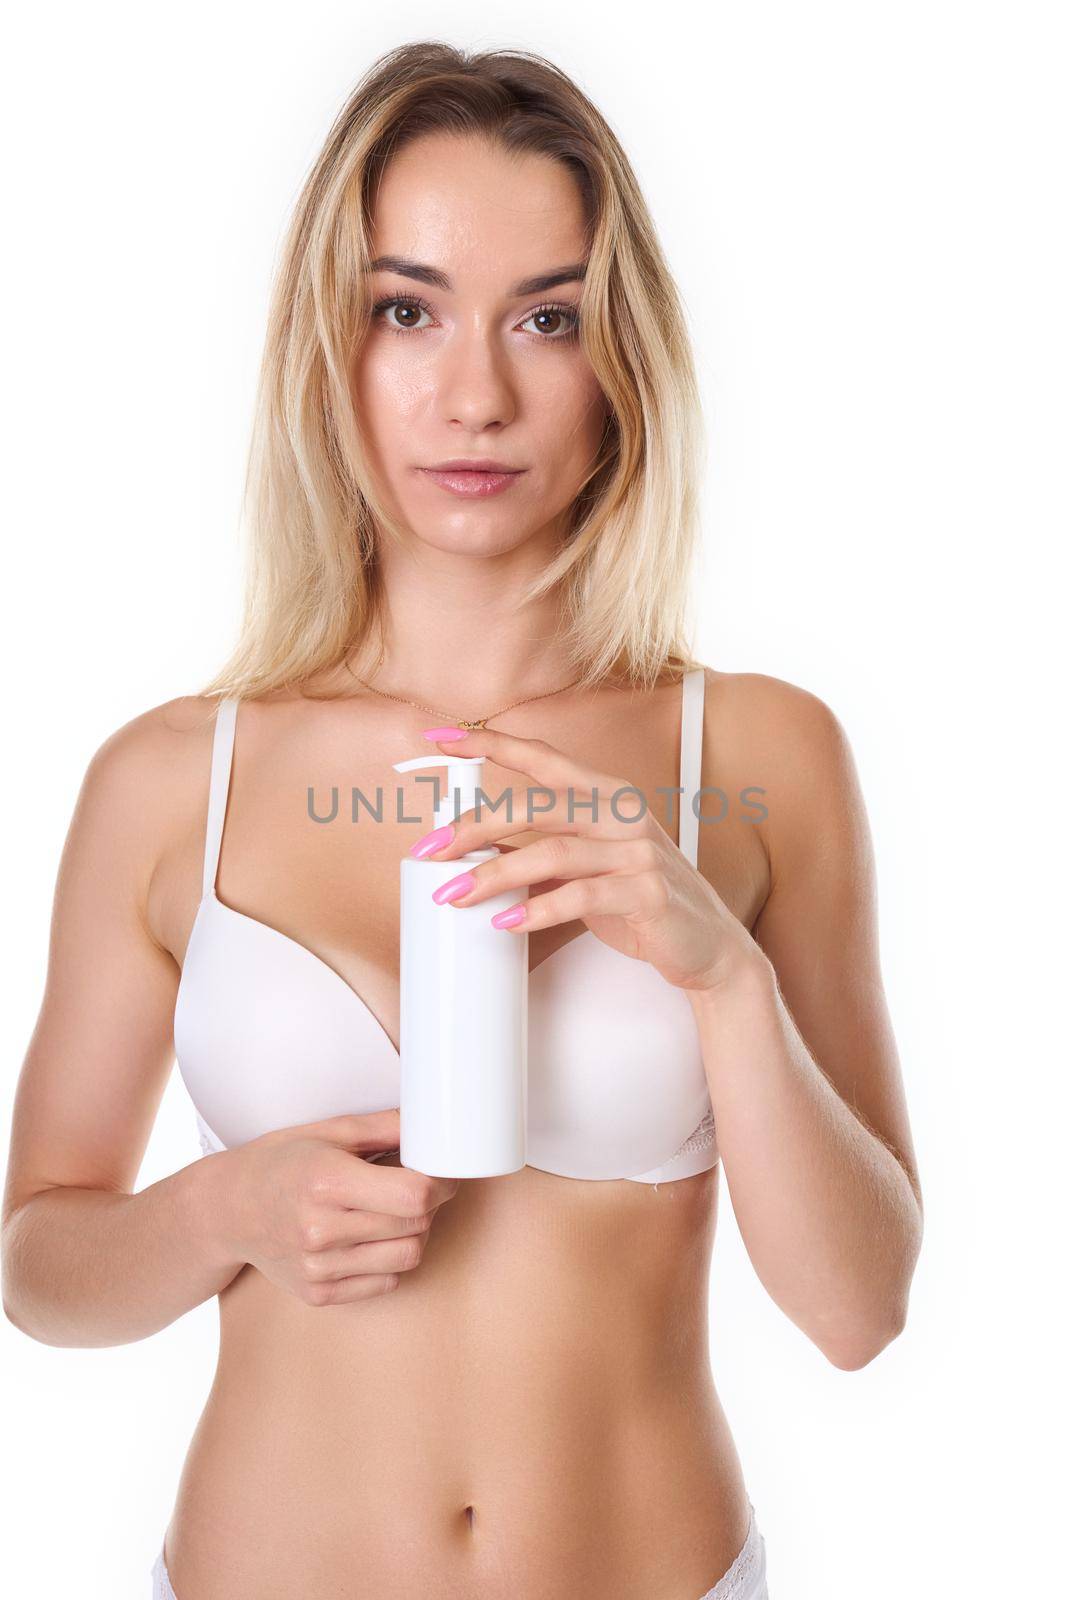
<point>420,1488</point>
<point>537,1390</point>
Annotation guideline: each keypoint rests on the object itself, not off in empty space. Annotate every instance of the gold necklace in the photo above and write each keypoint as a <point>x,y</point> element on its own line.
<point>459,722</point>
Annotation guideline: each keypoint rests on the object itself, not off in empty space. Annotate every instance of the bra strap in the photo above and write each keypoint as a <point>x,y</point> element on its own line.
<point>690,765</point>
<point>219,787</point>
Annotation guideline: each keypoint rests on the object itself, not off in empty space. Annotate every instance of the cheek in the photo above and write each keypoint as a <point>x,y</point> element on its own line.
<point>568,410</point>
<point>387,391</point>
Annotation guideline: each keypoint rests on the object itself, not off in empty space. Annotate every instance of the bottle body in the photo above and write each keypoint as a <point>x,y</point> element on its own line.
<point>463,1028</point>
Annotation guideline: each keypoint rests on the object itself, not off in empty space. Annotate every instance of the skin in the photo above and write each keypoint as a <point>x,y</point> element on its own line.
<point>531,1407</point>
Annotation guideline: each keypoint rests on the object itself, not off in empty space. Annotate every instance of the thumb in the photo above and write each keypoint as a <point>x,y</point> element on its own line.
<point>359,1131</point>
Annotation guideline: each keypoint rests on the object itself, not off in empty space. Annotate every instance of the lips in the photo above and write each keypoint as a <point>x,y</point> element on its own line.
<point>472,482</point>
<point>473,464</point>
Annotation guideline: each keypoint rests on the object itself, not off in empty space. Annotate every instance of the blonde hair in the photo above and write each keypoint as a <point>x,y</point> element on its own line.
<point>313,517</point>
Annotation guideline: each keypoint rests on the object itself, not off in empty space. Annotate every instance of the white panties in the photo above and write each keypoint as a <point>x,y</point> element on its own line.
<point>746,1576</point>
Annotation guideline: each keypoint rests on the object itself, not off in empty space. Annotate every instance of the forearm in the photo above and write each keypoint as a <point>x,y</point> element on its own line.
<point>87,1267</point>
<point>827,1213</point>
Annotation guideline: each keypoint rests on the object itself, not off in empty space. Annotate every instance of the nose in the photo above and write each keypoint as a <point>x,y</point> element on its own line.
<point>475,385</point>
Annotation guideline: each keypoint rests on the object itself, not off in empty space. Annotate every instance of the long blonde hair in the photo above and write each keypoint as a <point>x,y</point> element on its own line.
<point>310,508</point>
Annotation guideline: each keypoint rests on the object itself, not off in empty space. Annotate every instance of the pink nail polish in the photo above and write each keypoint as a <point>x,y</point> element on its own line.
<point>433,841</point>
<point>509,918</point>
<point>454,888</point>
<point>445,733</point>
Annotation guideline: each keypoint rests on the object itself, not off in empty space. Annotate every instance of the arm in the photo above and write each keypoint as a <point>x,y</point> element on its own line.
<point>799,1051</point>
<point>85,1261</point>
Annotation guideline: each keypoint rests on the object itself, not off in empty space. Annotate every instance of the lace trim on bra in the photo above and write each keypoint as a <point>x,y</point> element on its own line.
<point>702,1137</point>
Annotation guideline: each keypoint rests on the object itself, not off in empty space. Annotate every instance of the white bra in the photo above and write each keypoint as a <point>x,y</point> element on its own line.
<point>267,1035</point>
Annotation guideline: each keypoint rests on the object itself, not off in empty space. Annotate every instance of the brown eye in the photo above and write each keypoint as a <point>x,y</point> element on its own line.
<point>547,321</point>
<point>407,307</point>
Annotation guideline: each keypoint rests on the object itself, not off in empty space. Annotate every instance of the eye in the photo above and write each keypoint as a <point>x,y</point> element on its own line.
<point>550,336</point>
<point>408,303</point>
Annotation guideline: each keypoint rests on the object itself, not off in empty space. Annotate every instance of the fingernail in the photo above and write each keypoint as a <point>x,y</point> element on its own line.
<point>454,888</point>
<point>509,918</point>
<point>445,733</point>
<point>433,841</point>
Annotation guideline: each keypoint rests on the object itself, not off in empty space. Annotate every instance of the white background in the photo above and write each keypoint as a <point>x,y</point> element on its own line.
<point>864,208</point>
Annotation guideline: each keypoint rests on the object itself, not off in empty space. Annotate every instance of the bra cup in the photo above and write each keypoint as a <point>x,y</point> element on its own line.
<point>266,1036</point>
<point>616,1080</point>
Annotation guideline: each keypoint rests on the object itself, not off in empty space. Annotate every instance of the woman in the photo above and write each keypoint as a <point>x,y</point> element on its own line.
<point>428,1385</point>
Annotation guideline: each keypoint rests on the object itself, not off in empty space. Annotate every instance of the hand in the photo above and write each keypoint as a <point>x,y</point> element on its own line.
<point>621,874</point>
<point>304,1207</point>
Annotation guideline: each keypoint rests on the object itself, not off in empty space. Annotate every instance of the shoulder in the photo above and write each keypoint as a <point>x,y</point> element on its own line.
<point>153,748</point>
<point>142,779</point>
<point>765,733</point>
<point>751,712</point>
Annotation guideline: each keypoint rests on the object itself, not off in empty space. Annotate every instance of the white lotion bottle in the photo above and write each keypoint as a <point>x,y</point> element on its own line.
<point>463,1010</point>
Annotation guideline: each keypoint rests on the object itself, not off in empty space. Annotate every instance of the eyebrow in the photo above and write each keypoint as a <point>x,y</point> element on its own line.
<point>575,273</point>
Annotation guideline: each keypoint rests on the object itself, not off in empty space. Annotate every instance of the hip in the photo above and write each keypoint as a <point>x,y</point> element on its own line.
<point>656,1498</point>
<point>744,1579</point>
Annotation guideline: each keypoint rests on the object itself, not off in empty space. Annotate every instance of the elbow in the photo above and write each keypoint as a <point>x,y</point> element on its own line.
<point>12,1317</point>
<point>11,1312</point>
<point>858,1348</point>
<point>16,1282</point>
<point>6,1283</point>
<point>855,1342</point>
<point>17,1318</point>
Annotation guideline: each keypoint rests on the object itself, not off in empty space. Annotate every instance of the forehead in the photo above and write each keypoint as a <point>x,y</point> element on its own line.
<point>477,211</point>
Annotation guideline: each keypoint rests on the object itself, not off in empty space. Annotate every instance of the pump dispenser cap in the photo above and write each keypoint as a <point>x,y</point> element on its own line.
<point>464,774</point>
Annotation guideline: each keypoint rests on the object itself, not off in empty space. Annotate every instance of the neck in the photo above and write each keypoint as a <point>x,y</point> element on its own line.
<point>455,635</point>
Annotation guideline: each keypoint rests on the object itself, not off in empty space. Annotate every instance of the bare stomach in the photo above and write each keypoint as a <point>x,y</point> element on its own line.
<point>531,1413</point>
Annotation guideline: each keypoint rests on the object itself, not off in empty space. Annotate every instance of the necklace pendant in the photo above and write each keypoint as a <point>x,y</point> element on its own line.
<point>470,726</point>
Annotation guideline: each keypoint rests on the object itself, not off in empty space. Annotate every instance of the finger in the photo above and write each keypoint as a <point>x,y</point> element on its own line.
<point>558,858</point>
<point>536,759</point>
<point>615,813</point>
<point>390,1253</point>
<point>344,1291</point>
<point>356,1185</point>
<point>357,1131</point>
<point>636,896</point>
<point>339,1229</point>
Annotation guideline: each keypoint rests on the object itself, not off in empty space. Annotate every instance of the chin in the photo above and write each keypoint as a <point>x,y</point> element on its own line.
<point>471,537</point>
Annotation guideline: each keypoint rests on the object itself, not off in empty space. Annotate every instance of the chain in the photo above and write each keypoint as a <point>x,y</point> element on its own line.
<point>459,722</point>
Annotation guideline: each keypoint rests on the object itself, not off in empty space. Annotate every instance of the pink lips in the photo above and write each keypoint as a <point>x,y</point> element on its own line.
<point>465,482</point>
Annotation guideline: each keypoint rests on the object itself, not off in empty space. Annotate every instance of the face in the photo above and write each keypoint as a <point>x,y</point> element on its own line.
<point>467,358</point>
